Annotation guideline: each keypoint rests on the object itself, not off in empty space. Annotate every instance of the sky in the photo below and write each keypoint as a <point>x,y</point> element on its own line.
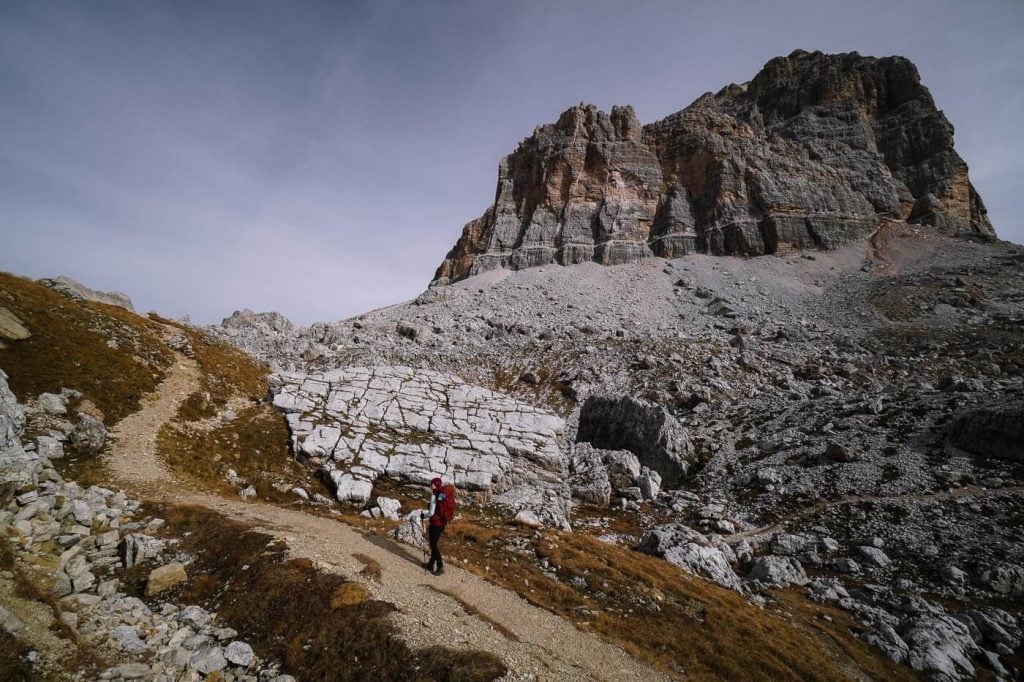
<point>320,158</point>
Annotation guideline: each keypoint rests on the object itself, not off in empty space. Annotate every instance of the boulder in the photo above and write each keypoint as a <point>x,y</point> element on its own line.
<point>239,653</point>
<point>622,422</point>
<point>649,483</point>
<point>529,519</point>
<point>389,508</point>
<point>348,488</point>
<point>997,432</point>
<point>136,547</point>
<point>49,447</point>
<point>165,577</point>
<point>778,571</point>
<point>622,466</point>
<point>209,660</point>
<point>9,621</point>
<point>51,403</point>
<point>885,638</point>
<point>787,544</point>
<point>874,556</point>
<point>88,437</point>
<point>11,328</point>
<point>939,643</point>
<point>410,531</point>
<point>588,476</point>
<point>691,551</point>
<point>194,616</point>
<point>127,639</point>
<point>1003,578</point>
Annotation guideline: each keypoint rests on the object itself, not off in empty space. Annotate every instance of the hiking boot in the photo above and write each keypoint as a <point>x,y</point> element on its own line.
<point>438,571</point>
<point>427,567</point>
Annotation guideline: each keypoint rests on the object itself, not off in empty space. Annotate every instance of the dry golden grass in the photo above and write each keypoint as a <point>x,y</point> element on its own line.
<point>227,373</point>
<point>69,348</point>
<point>371,567</point>
<point>14,665</point>
<point>254,444</point>
<point>349,594</point>
<point>665,616</point>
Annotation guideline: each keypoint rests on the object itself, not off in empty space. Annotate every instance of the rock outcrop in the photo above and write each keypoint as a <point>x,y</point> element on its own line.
<point>990,433</point>
<point>77,290</point>
<point>809,154</point>
<point>412,425</point>
<point>622,422</point>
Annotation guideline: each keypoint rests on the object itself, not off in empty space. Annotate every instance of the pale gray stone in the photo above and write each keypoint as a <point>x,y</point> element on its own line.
<point>779,571</point>
<point>389,508</point>
<point>127,639</point>
<point>874,556</point>
<point>209,660</point>
<point>239,653</point>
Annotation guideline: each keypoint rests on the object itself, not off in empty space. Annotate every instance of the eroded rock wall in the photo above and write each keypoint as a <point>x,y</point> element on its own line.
<point>809,154</point>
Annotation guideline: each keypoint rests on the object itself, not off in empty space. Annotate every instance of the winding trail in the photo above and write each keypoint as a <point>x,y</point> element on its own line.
<point>548,647</point>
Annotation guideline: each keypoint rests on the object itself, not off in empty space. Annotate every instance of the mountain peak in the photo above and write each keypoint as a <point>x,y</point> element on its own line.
<point>809,154</point>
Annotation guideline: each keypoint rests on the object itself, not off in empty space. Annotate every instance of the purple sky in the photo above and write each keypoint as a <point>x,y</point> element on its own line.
<point>319,159</point>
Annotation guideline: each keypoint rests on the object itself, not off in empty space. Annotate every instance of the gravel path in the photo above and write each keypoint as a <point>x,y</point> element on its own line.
<point>133,461</point>
<point>549,647</point>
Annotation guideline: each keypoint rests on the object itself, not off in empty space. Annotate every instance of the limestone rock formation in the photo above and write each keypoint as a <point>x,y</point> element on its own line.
<point>990,433</point>
<point>77,290</point>
<point>622,422</point>
<point>11,328</point>
<point>809,154</point>
<point>413,425</point>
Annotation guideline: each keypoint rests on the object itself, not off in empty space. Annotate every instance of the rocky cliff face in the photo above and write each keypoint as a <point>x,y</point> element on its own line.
<point>809,154</point>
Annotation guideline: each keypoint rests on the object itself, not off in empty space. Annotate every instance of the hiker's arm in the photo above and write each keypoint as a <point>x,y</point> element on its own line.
<point>433,506</point>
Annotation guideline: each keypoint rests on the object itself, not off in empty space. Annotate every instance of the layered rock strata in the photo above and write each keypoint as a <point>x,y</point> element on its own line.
<point>808,154</point>
<point>412,425</point>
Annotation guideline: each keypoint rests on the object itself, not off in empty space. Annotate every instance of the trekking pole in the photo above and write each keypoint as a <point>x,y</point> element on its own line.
<point>423,532</point>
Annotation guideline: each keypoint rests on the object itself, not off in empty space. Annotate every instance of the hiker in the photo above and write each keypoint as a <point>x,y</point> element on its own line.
<point>441,512</point>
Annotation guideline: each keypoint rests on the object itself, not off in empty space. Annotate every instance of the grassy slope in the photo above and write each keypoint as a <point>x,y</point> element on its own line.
<point>69,349</point>
<point>656,611</point>
<point>200,448</point>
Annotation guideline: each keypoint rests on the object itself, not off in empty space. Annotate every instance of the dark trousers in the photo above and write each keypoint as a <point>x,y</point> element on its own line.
<point>434,533</point>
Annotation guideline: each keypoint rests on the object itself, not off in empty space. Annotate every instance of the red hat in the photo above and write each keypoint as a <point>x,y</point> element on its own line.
<point>436,483</point>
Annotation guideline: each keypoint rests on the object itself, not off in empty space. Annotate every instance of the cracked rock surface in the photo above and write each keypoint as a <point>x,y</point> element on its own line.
<point>412,425</point>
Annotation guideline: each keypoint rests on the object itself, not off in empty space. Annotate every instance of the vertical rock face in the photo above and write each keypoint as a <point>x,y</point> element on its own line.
<point>808,154</point>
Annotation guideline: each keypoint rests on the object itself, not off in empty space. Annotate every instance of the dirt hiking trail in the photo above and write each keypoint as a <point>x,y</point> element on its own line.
<point>539,645</point>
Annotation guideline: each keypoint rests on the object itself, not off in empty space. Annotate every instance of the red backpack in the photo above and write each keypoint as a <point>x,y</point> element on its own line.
<point>446,506</point>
